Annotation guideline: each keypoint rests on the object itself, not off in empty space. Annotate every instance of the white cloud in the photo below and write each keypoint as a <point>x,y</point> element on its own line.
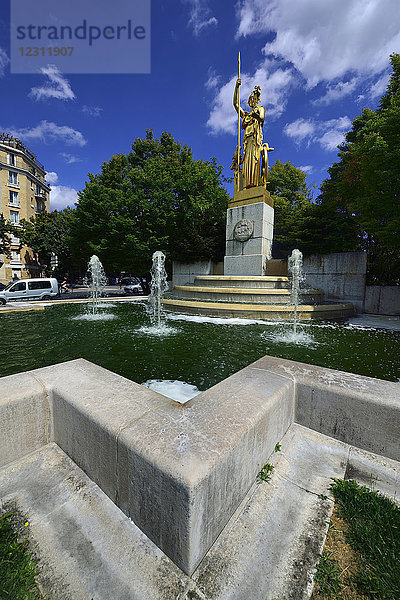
<point>326,40</point>
<point>62,196</point>
<point>47,131</point>
<point>51,177</point>
<point>300,129</point>
<point>379,87</point>
<point>308,169</point>
<point>200,16</point>
<point>57,87</point>
<point>70,159</point>
<point>4,60</point>
<point>338,91</point>
<point>329,134</point>
<point>274,86</point>
<point>213,79</point>
<point>92,111</point>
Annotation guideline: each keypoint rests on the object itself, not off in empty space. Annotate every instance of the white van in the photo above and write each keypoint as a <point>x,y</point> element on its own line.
<point>29,289</point>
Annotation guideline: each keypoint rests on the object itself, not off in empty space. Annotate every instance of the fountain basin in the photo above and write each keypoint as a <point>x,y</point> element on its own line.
<point>196,349</point>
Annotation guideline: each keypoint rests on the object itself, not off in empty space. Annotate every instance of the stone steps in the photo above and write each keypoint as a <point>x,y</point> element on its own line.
<point>259,311</point>
<point>244,295</point>
<point>242,281</point>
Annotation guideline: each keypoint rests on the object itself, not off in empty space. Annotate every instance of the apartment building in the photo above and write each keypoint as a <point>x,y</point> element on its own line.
<point>23,194</point>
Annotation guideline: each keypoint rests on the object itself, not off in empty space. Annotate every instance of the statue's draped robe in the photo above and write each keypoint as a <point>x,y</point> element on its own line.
<point>252,142</point>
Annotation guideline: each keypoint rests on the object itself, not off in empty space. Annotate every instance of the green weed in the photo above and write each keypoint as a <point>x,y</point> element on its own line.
<point>265,473</point>
<point>17,568</point>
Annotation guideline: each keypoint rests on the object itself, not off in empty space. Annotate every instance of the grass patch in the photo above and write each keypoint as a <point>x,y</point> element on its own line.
<point>362,550</point>
<point>327,577</point>
<point>17,567</point>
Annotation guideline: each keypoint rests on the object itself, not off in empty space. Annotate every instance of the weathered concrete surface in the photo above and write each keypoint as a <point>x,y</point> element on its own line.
<point>382,300</point>
<point>271,549</point>
<point>340,275</point>
<point>203,457</point>
<point>89,549</point>
<point>183,273</point>
<point>91,406</point>
<point>358,410</point>
<point>141,447</point>
<point>376,472</point>
<point>25,416</point>
<point>186,476</point>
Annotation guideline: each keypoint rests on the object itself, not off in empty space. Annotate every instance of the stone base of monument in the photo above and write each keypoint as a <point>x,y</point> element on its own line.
<point>249,232</point>
<point>251,297</point>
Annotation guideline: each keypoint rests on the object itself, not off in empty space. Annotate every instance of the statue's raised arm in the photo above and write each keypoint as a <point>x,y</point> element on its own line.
<point>236,104</point>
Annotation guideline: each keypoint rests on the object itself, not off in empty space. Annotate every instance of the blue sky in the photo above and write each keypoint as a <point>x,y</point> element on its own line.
<point>318,62</point>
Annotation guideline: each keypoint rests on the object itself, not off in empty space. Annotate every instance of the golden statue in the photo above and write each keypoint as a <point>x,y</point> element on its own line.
<point>253,148</point>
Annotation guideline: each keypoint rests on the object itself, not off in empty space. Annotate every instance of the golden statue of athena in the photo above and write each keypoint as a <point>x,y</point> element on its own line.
<point>254,151</point>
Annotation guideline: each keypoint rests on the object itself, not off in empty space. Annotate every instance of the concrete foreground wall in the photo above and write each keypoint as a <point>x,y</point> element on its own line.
<point>340,275</point>
<point>382,300</point>
<point>181,471</point>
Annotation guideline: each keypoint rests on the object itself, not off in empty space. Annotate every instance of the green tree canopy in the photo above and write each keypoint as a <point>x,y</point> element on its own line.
<point>292,199</point>
<point>365,183</point>
<point>47,233</point>
<point>157,197</point>
<point>301,223</point>
<point>5,230</point>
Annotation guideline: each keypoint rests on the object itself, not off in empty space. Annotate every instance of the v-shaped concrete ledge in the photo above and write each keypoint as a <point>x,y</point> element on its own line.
<point>181,472</point>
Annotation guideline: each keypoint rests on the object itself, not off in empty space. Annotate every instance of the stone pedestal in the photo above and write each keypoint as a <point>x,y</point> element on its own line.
<point>249,232</point>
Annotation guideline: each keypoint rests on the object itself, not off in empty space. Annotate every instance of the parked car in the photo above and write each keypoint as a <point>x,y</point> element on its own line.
<point>28,289</point>
<point>134,287</point>
<point>2,286</point>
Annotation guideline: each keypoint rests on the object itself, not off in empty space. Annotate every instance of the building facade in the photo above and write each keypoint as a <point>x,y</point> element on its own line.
<point>23,194</point>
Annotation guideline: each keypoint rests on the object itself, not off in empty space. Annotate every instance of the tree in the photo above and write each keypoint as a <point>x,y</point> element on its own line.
<point>5,231</point>
<point>365,183</point>
<point>157,197</point>
<point>49,233</point>
<point>292,198</point>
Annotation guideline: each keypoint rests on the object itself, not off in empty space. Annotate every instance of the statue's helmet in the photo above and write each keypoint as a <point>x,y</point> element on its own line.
<point>255,96</point>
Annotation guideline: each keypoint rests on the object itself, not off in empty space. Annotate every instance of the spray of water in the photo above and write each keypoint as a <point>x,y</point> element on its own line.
<point>295,265</point>
<point>96,281</point>
<point>158,287</point>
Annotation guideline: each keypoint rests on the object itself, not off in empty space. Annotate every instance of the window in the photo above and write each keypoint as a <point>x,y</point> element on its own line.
<point>14,198</point>
<point>14,217</point>
<point>15,240</point>
<point>38,189</point>
<point>40,206</point>
<point>39,285</point>
<point>12,177</point>
<point>15,255</point>
<point>18,287</point>
<point>11,159</point>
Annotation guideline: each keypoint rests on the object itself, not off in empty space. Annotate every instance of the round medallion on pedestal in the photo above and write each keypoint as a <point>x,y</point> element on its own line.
<point>243,230</point>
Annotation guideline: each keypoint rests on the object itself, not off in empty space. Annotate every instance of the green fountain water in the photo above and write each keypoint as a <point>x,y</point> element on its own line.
<point>199,353</point>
